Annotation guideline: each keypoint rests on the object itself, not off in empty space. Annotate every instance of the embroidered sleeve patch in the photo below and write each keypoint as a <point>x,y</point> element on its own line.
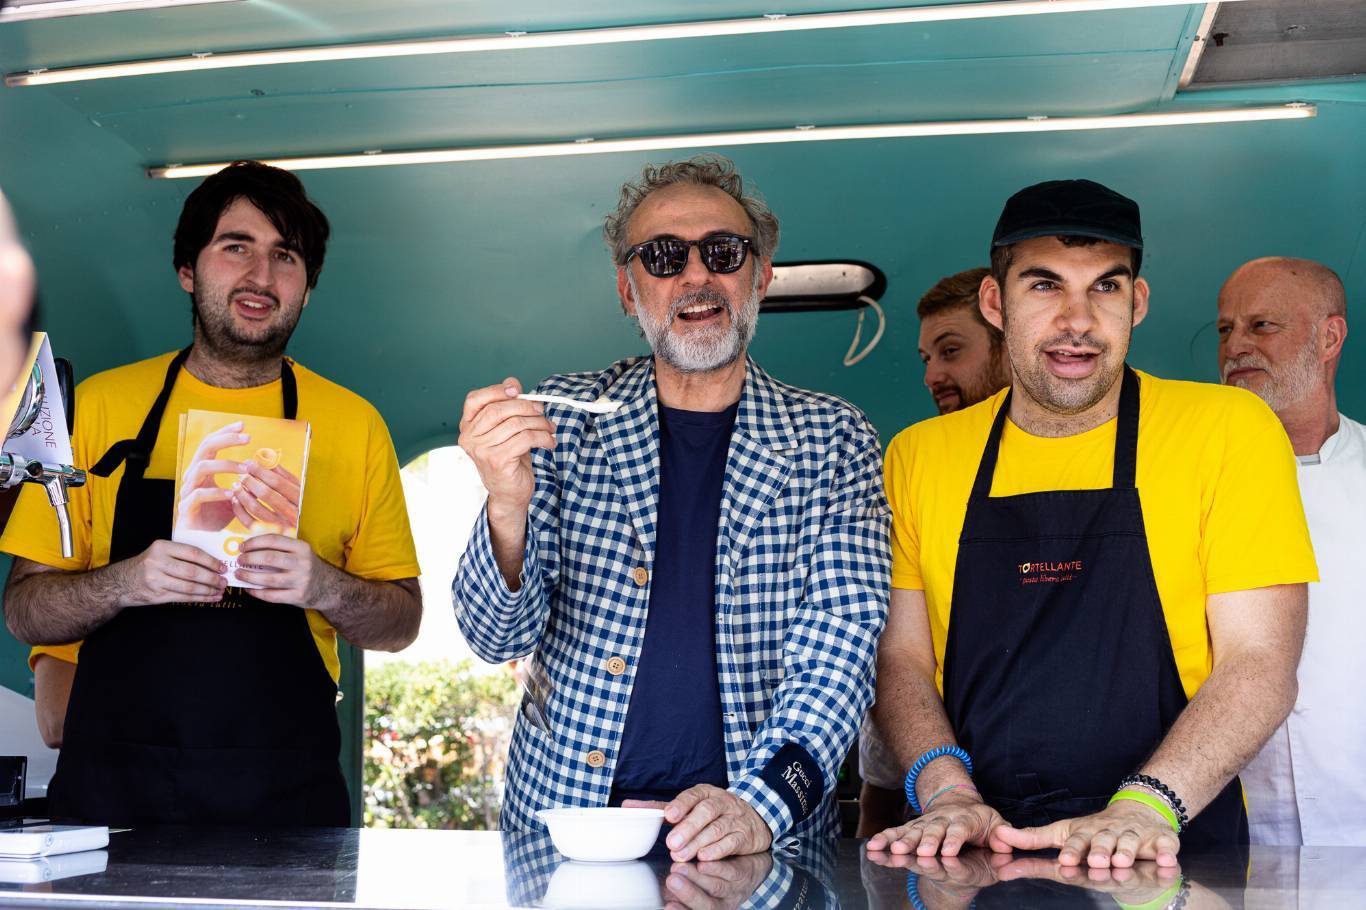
<point>796,777</point>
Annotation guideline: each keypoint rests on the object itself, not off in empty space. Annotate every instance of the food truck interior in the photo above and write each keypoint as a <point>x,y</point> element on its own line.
<point>888,138</point>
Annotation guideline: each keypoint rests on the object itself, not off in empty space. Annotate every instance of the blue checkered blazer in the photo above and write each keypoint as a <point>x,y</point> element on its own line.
<point>802,581</point>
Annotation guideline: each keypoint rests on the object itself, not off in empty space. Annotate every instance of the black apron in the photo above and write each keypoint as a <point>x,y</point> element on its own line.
<point>196,713</point>
<point>1059,677</point>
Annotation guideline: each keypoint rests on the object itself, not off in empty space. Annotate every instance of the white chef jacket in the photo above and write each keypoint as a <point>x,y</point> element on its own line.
<point>1308,784</point>
<point>876,763</point>
<point>1306,878</point>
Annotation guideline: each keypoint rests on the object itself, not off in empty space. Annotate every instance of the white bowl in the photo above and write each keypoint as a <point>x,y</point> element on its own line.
<point>603,835</point>
<point>602,886</point>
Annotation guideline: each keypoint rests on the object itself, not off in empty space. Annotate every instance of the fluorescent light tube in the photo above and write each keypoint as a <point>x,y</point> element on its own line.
<point>760,137</point>
<point>768,24</point>
<point>53,9</point>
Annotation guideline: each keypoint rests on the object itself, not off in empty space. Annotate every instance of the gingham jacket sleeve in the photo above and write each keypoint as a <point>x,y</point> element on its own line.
<point>829,652</point>
<point>497,623</point>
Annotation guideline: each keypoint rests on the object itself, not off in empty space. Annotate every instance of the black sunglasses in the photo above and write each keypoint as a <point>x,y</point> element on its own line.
<point>665,257</point>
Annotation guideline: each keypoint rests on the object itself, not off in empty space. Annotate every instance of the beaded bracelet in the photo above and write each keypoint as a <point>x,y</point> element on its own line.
<point>1149,782</point>
<point>937,752</point>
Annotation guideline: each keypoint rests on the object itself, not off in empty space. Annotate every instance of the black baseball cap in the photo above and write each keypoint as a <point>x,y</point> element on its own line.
<point>1080,208</point>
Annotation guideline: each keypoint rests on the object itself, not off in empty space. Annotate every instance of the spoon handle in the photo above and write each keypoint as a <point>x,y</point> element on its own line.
<point>591,406</point>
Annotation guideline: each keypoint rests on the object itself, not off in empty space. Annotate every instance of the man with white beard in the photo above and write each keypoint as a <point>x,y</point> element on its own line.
<point>702,573</point>
<point>1282,324</point>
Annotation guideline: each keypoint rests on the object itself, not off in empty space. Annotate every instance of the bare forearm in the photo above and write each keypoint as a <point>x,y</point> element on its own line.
<point>54,608</point>
<point>52,679</point>
<point>1256,636</point>
<point>377,615</point>
<point>507,535</point>
<point>1229,720</point>
<point>910,715</point>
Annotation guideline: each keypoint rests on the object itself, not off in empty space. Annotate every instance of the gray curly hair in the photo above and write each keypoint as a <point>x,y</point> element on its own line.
<point>701,170</point>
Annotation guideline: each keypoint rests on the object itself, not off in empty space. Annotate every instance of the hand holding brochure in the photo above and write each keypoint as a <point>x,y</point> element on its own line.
<point>238,477</point>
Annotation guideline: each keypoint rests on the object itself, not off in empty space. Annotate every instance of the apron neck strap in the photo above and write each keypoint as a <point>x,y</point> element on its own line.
<point>138,452</point>
<point>1126,440</point>
<point>289,390</point>
<point>1126,432</point>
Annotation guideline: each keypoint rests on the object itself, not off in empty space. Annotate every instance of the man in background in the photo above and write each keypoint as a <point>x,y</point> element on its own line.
<point>965,362</point>
<point>1282,324</point>
<point>964,355</point>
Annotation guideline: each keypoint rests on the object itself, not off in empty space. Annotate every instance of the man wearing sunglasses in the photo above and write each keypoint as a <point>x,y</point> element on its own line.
<point>703,573</point>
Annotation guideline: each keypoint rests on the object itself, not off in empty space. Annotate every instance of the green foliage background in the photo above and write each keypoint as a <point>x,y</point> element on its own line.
<point>436,744</point>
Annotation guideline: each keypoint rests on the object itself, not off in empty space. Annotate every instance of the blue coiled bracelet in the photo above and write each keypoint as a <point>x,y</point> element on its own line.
<point>937,752</point>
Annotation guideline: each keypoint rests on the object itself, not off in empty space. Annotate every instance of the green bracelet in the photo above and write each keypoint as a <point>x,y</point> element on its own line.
<point>1152,802</point>
<point>1165,899</point>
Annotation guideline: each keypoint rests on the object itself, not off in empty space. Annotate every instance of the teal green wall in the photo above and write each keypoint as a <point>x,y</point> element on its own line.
<point>445,277</point>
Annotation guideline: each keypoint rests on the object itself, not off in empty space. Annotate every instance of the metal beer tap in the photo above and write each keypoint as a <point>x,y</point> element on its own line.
<point>55,478</point>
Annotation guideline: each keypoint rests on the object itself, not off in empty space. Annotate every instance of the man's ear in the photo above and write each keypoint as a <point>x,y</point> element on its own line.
<point>186,275</point>
<point>1141,290</point>
<point>989,302</point>
<point>624,292</point>
<point>306,296</point>
<point>766,278</point>
<point>1332,337</point>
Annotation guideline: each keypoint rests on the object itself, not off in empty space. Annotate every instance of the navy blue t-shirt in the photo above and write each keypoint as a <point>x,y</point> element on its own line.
<point>673,735</point>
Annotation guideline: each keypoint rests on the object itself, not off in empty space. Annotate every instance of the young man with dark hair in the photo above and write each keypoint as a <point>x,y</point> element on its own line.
<point>1095,623</point>
<point>194,702</point>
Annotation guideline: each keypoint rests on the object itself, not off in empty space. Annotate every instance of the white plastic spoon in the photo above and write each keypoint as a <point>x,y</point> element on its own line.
<point>600,406</point>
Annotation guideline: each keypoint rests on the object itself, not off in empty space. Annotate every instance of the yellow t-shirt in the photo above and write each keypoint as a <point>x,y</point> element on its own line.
<point>1215,476</point>
<point>353,513</point>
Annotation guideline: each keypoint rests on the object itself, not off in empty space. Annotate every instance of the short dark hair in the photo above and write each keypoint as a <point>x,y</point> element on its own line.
<point>959,292</point>
<point>1003,256</point>
<point>276,192</point>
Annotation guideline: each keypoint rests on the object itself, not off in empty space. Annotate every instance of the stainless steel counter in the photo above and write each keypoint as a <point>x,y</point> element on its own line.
<point>198,868</point>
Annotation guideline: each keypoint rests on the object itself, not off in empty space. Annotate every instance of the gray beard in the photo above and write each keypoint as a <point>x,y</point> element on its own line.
<point>1287,385</point>
<point>700,352</point>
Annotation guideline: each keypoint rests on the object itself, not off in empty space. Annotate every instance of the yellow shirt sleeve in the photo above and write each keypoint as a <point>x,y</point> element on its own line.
<point>899,464</point>
<point>382,548</point>
<point>1255,533</point>
<point>61,652</point>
